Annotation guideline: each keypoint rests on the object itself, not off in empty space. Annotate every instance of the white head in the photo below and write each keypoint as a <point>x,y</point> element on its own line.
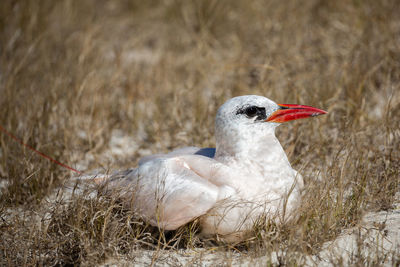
<point>246,122</point>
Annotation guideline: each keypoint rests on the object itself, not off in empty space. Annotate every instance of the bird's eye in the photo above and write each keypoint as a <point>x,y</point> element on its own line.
<point>251,111</point>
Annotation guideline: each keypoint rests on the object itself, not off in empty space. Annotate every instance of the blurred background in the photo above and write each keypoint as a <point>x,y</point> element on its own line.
<point>97,84</point>
<point>101,83</point>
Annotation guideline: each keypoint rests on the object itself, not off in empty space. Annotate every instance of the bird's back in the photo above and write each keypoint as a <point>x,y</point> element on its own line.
<point>191,150</point>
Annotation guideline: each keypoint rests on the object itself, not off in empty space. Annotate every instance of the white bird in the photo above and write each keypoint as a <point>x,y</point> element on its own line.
<point>248,175</point>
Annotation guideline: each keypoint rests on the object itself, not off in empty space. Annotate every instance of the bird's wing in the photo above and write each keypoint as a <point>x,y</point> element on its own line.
<point>166,191</point>
<point>213,171</point>
<point>207,152</point>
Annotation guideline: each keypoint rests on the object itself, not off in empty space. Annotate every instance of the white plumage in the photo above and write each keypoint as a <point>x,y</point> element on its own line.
<point>230,187</point>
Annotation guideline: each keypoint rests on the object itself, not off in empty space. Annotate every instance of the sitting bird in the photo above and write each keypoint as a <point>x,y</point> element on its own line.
<point>228,188</point>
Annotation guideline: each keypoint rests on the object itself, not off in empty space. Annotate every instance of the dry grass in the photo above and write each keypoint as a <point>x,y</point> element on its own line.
<point>72,72</point>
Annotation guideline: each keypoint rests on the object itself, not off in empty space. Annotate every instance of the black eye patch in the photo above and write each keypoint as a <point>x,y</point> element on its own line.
<point>253,111</point>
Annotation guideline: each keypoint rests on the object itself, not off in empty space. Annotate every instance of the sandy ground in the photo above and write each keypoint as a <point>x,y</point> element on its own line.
<point>379,230</point>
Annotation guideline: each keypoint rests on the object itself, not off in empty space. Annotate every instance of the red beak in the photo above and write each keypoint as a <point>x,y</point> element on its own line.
<point>289,112</point>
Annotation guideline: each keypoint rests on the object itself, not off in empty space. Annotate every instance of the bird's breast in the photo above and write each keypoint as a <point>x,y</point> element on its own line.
<point>251,179</point>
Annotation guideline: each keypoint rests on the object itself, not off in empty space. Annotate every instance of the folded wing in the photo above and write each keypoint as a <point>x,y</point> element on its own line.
<point>169,191</point>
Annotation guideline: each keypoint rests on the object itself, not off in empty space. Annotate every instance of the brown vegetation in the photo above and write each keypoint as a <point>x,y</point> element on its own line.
<point>75,73</point>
